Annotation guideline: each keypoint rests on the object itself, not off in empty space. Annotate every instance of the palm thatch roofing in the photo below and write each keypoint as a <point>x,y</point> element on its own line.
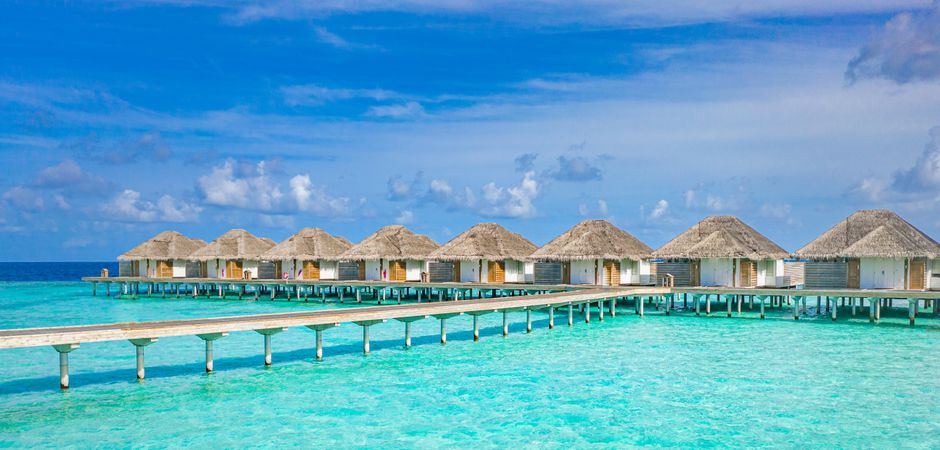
<point>308,244</point>
<point>720,237</point>
<point>485,241</point>
<point>234,244</point>
<point>871,234</point>
<point>164,246</point>
<point>593,239</point>
<point>393,242</point>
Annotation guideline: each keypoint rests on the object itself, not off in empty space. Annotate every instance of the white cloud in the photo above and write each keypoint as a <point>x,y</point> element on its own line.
<point>405,217</point>
<point>576,169</point>
<point>411,109</point>
<point>907,49</point>
<point>315,95</point>
<point>514,201</point>
<point>256,190</point>
<point>659,210</point>
<point>602,207</point>
<point>24,199</point>
<point>70,178</point>
<point>315,199</point>
<point>128,206</point>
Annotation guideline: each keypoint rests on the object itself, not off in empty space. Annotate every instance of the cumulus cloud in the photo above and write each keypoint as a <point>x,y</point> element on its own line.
<point>315,199</point>
<point>907,49</point>
<point>514,201</point>
<point>716,198</point>
<point>407,110</point>
<point>405,217</point>
<point>659,210</point>
<point>70,178</point>
<point>525,162</point>
<point>24,199</point>
<point>398,189</point>
<point>917,186</point>
<point>575,169</point>
<point>128,206</point>
<point>252,187</point>
<point>925,173</point>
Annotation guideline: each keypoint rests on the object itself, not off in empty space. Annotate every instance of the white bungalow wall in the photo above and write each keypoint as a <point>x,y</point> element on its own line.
<point>373,272</point>
<point>646,273</point>
<point>515,271</point>
<point>469,271</point>
<point>882,273</point>
<point>214,268</point>
<point>179,268</point>
<point>329,270</point>
<point>717,272</point>
<point>413,269</point>
<point>629,271</point>
<point>933,274</point>
<point>529,272</point>
<point>582,271</point>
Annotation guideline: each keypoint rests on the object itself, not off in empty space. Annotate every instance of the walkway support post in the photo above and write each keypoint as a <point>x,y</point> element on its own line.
<point>551,317</point>
<point>911,310</point>
<point>365,324</point>
<point>209,338</point>
<point>318,329</point>
<point>267,333</point>
<point>139,344</point>
<point>443,318</point>
<point>761,300</point>
<point>64,350</point>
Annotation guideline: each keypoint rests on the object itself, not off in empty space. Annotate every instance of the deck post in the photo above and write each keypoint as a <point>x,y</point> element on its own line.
<point>209,338</point>
<point>668,301</point>
<point>365,339</point>
<point>878,311</point>
<point>641,307</point>
<point>740,301</point>
<point>854,303</point>
<point>728,300</point>
<point>761,300</point>
<point>570,315</point>
<point>528,320</point>
<point>94,289</point>
<point>505,323</point>
<point>600,310</point>
<point>64,350</point>
<point>698,303</point>
<point>318,329</point>
<point>267,333</point>
<point>443,330</point>
<point>818,304</point>
<point>708,305</point>
<point>476,328</point>
<point>140,344</point>
<point>796,307</point>
<point>613,307</point>
<point>551,317</point>
<point>833,311</point>
<point>911,310</point>
<point>587,312</point>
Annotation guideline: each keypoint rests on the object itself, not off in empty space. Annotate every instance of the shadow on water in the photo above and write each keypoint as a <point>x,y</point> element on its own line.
<point>129,376</point>
<point>894,318</point>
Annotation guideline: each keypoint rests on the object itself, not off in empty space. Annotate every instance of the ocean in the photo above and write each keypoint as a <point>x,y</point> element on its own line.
<point>655,381</point>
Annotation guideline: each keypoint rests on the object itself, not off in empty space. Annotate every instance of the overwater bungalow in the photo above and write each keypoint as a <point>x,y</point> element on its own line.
<point>165,255</point>
<point>872,249</point>
<point>485,253</point>
<point>722,251</point>
<point>308,255</point>
<point>393,253</point>
<point>594,252</point>
<point>236,255</point>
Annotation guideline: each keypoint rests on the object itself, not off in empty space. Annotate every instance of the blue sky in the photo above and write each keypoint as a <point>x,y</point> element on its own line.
<point>121,119</point>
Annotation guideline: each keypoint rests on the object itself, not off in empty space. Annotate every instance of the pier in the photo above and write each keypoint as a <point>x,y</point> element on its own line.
<point>443,301</point>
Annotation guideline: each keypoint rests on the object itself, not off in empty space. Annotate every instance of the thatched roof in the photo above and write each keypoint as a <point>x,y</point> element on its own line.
<point>720,237</point>
<point>871,234</point>
<point>307,245</point>
<point>485,241</point>
<point>166,245</point>
<point>593,239</point>
<point>235,244</point>
<point>393,242</point>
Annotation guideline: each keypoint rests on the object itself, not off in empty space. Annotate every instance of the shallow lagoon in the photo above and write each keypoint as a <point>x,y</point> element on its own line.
<point>654,381</point>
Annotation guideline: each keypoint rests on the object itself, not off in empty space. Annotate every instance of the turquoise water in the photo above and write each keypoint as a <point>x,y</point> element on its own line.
<point>655,381</point>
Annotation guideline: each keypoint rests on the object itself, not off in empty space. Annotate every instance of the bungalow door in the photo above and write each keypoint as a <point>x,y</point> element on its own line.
<point>854,273</point>
<point>164,269</point>
<point>496,271</point>
<point>747,272</point>
<point>695,272</point>
<point>397,271</point>
<point>566,272</point>
<point>918,277</point>
<point>233,269</point>
<point>456,271</point>
<point>311,270</point>
<point>611,273</point>
<point>362,270</point>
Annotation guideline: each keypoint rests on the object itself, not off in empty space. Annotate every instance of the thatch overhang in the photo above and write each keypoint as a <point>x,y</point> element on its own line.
<point>878,233</point>
<point>593,239</point>
<point>393,242</point>
<point>234,244</point>
<point>485,241</point>
<point>309,244</point>
<point>720,237</point>
<point>164,246</point>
